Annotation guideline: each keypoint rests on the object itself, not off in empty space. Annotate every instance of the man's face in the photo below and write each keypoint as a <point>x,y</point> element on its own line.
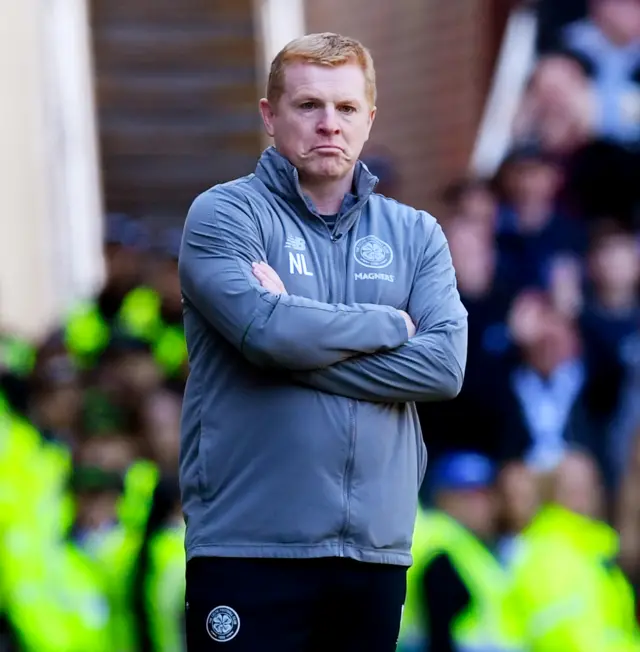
<point>475,509</point>
<point>615,264</point>
<point>533,180</point>
<point>620,19</point>
<point>110,452</point>
<point>519,495</point>
<point>473,256</point>
<point>322,120</point>
<point>95,510</point>
<point>123,266</point>
<point>578,486</point>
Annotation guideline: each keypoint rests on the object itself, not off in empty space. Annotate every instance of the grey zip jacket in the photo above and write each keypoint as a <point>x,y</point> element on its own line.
<point>300,436</point>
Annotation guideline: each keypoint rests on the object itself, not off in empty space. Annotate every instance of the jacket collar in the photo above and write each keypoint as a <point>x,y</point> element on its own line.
<point>280,176</point>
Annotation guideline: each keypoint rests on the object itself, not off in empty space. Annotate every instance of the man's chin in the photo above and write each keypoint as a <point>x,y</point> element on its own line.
<point>328,170</point>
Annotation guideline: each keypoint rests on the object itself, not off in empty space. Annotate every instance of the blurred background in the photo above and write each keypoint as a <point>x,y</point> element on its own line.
<point>516,123</point>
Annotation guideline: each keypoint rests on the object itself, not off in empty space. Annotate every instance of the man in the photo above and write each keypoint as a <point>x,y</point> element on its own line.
<point>456,599</point>
<point>301,453</point>
<point>566,588</point>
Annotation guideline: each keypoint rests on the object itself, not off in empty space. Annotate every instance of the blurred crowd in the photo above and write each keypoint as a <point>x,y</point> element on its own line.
<point>91,528</point>
<point>547,254</point>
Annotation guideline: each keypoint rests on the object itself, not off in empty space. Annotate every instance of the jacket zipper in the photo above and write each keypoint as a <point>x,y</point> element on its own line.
<point>352,407</point>
<point>350,461</point>
<point>348,472</point>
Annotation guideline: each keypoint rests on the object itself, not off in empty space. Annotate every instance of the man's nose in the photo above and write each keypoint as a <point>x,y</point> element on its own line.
<point>329,123</point>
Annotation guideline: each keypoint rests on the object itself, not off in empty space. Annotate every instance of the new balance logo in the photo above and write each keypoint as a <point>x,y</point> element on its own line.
<point>295,242</point>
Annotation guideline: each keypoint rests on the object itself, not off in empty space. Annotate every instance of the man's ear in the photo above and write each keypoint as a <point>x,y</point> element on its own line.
<point>268,115</point>
<point>372,116</point>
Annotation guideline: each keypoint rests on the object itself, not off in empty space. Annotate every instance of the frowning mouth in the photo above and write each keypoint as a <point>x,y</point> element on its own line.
<point>329,149</point>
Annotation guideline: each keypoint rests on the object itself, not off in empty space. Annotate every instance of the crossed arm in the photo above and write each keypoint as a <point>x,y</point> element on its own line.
<point>362,351</point>
<point>429,366</point>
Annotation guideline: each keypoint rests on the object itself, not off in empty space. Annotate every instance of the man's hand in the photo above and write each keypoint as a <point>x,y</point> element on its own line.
<point>271,282</point>
<point>411,327</point>
<point>268,278</point>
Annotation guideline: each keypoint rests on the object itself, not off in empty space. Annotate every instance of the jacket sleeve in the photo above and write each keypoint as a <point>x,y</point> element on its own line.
<point>430,366</point>
<point>221,240</point>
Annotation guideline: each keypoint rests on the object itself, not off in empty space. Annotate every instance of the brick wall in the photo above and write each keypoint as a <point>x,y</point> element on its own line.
<point>177,90</point>
<point>432,59</point>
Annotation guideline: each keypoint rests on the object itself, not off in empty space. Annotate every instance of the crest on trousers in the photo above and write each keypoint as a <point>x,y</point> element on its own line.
<point>223,624</point>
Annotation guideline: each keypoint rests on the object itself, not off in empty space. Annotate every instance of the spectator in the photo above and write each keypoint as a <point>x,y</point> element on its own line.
<point>558,110</point>
<point>576,484</point>
<point>627,512</point>
<point>609,41</point>
<point>546,407</point>
<point>609,324</point>
<point>161,415</point>
<point>149,313</point>
<point>96,492</point>
<point>566,285</point>
<point>158,584</point>
<point>614,275</point>
<point>472,201</point>
<point>532,229</point>
<point>559,113</point>
<point>112,452</point>
<point>456,588</point>
<point>168,343</point>
<point>128,370</point>
<point>125,248</point>
<point>55,400</point>
<point>485,294</point>
<point>518,492</point>
<point>627,424</point>
<point>566,590</point>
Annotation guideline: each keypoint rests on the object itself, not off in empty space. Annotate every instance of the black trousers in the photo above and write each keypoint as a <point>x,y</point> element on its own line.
<point>289,605</point>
